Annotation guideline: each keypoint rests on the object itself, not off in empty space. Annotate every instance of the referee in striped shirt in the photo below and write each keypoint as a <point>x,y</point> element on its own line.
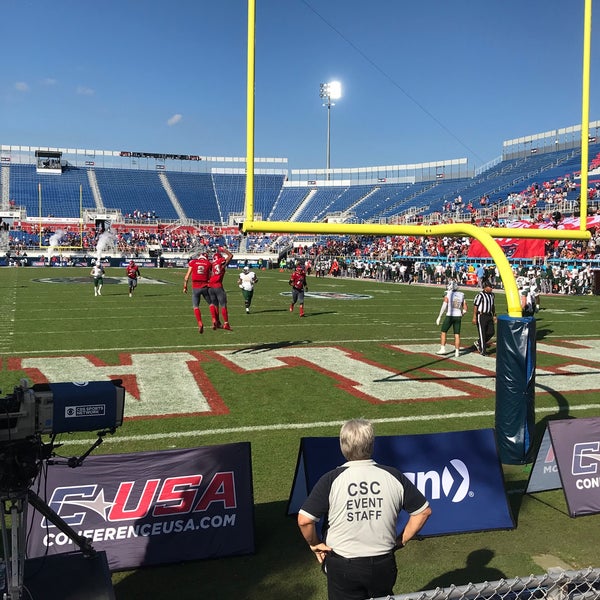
<point>484,316</point>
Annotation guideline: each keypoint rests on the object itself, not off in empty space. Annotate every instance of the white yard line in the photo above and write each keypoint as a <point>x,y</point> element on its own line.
<point>218,345</point>
<point>315,425</point>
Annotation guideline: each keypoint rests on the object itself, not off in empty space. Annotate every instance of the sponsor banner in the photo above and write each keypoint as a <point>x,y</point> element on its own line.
<point>458,472</point>
<point>530,248</point>
<point>512,248</point>
<point>175,262</point>
<point>332,295</point>
<point>258,264</point>
<point>576,444</point>
<point>544,473</point>
<point>151,508</point>
<point>140,262</point>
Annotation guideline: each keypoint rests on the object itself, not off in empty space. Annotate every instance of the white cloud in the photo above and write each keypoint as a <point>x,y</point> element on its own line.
<point>21,86</point>
<point>82,90</point>
<point>174,119</point>
<point>49,81</point>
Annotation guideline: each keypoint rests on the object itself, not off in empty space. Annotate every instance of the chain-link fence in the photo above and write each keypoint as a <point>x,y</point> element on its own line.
<point>554,585</point>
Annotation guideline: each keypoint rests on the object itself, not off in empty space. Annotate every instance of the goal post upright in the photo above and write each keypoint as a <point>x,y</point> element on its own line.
<point>585,113</point>
<point>40,213</point>
<point>249,201</point>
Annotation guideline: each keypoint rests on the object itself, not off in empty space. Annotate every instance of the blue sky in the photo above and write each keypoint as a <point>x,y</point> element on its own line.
<point>422,81</point>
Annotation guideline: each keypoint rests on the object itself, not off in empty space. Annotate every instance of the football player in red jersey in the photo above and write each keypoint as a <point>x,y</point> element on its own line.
<point>199,271</point>
<point>133,273</point>
<point>218,297</point>
<point>298,283</point>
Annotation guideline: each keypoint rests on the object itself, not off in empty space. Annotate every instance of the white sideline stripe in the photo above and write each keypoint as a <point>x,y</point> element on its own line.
<point>317,424</point>
<point>222,345</point>
<point>218,345</point>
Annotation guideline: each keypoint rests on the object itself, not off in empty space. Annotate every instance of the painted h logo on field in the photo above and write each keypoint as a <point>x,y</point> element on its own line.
<point>586,456</point>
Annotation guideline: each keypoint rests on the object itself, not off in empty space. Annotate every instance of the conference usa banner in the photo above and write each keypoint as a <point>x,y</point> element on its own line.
<point>151,508</point>
<point>458,472</point>
<point>576,444</point>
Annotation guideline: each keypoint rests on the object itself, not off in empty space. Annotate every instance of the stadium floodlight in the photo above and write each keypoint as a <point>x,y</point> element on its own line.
<point>330,91</point>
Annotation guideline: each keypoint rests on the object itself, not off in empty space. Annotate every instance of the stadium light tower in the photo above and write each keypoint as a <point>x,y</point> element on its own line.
<point>330,91</point>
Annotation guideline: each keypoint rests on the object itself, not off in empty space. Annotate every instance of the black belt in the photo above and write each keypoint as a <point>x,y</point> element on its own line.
<point>369,560</point>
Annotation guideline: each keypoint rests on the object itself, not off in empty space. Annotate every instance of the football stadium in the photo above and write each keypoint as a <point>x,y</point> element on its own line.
<point>157,442</point>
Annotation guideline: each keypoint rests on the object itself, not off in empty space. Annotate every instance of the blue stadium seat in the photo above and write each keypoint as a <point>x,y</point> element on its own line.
<point>130,190</point>
<point>60,194</point>
<point>214,197</point>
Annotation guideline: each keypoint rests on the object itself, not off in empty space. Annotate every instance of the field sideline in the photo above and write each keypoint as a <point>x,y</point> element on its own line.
<point>364,349</point>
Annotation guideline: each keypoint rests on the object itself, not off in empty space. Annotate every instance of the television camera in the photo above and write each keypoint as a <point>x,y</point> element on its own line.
<point>26,415</point>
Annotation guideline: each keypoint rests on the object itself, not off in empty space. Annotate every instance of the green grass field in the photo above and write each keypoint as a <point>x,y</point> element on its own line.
<point>51,321</point>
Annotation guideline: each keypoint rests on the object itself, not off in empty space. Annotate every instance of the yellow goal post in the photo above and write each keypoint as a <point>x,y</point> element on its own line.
<point>486,236</point>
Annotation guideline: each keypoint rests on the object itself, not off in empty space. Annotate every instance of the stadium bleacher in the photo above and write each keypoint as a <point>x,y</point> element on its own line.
<point>287,202</point>
<point>230,191</point>
<point>215,198</point>
<point>135,191</point>
<point>196,196</point>
<point>57,195</point>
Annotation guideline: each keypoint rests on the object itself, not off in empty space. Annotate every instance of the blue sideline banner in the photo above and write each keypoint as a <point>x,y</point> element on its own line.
<point>576,444</point>
<point>458,472</point>
<point>151,508</point>
<point>544,473</point>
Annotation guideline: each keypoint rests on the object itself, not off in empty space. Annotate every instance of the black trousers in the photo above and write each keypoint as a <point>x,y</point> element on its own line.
<point>360,578</point>
<point>485,330</point>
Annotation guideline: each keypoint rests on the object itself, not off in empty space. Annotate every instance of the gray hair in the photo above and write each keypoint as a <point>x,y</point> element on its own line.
<point>357,439</point>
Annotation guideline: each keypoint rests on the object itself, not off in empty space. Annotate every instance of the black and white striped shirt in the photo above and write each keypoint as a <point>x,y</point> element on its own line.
<point>485,303</point>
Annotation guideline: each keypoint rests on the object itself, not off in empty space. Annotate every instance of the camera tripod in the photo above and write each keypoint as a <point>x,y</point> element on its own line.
<point>20,464</point>
<point>14,507</point>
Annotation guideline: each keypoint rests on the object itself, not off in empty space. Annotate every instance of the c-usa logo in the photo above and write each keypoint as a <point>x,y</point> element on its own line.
<point>586,458</point>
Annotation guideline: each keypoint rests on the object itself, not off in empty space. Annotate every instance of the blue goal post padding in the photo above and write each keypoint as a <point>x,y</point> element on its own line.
<point>515,388</point>
<point>459,473</point>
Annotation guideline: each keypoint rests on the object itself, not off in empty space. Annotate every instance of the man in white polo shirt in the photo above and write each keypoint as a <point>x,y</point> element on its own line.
<point>361,501</point>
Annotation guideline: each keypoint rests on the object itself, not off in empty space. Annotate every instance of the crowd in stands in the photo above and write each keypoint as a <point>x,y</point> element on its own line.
<point>575,278</point>
<point>133,241</point>
<point>140,216</point>
<point>536,202</point>
<point>528,202</point>
<point>448,248</point>
<point>401,259</point>
<point>122,239</point>
<point>408,259</point>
